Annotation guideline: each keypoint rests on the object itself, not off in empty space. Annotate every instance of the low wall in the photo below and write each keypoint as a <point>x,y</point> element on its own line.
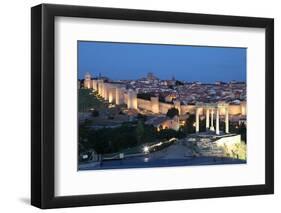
<point>229,142</point>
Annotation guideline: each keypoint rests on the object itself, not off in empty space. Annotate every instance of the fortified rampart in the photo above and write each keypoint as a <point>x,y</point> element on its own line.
<point>118,94</point>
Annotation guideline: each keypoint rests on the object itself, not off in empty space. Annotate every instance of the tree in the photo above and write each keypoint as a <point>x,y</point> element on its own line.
<point>243,131</point>
<point>167,134</point>
<point>141,117</point>
<point>172,112</point>
<point>189,127</point>
<point>140,131</point>
<point>95,113</point>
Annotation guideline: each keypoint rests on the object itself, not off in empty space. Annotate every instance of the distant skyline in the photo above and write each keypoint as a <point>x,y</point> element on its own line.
<point>131,61</point>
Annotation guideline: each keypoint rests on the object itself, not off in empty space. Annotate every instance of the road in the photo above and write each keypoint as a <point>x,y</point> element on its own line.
<point>177,154</point>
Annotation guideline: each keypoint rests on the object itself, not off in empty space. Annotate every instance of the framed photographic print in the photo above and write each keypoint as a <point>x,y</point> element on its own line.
<point>140,106</point>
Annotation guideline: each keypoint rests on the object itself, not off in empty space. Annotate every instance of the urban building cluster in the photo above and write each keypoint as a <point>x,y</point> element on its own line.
<point>152,95</point>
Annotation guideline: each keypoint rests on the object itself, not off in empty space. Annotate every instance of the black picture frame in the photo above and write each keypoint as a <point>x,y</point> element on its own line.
<point>43,117</point>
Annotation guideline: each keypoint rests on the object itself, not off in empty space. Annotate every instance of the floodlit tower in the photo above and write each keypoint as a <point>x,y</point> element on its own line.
<point>88,81</point>
<point>119,95</point>
<point>132,99</point>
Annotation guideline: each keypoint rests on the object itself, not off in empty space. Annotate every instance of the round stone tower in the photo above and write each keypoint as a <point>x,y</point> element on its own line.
<point>88,81</point>
<point>132,99</point>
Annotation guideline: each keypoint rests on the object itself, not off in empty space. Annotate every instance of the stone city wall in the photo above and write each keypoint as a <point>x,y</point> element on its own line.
<point>144,104</point>
<point>116,93</point>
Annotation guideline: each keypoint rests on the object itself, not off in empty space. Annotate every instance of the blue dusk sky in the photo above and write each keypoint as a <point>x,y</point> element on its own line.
<point>129,61</point>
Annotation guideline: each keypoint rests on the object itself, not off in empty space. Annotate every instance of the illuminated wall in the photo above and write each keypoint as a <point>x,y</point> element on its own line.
<point>88,81</point>
<point>154,104</point>
<point>119,95</point>
<point>111,94</point>
<point>126,98</point>
<point>132,100</point>
<point>100,83</point>
<point>177,105</point>
<point>235,109</point>
<point>116,93</point>
<point>164,107</point>
<point>170,124</point>
<point>95,84</point>
<point>243,108</point>
<point>144,104</point>
<point>188,109</point>
<point>174,123</point>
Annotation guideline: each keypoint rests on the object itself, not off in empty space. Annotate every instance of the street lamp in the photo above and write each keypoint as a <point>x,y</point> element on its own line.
<point>146,149</point>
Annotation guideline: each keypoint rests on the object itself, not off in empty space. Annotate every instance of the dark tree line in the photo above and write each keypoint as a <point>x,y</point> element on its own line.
<point>132,134</point>
<point>172,112</point>
<point>111,140</point>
